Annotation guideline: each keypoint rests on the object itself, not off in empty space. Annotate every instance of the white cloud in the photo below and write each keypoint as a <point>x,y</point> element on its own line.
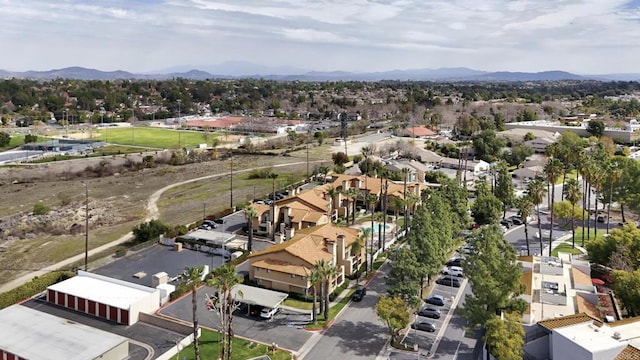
<point>145,35</point>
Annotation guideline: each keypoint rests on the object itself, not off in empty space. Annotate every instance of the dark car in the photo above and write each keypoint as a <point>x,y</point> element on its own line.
<point>359,294</point>
<point>210,223</point>
<point>506,223</point>
<point>516,220</point>
<point>449,281</point>
<point>455,262</point>
<point>430,312</point>
<point>435,300</point>
<point>424,326</point>
<point>218,221</point>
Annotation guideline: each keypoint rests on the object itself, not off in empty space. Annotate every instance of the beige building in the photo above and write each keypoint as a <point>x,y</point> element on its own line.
<point>286,266</point>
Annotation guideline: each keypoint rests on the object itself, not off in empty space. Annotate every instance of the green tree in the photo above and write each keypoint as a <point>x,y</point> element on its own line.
<point>494,276</point>
<point>394,313</point>
<point>529,136</point>
<point>5,139</point>
<point>30,138</point>
<point>517,155</point>
<point>504,190</point>
<point>315,279</point>
<point>149,230</point>
<point>596,128</point>
<point>224,279</point>
<point>487,145</point>
<point>627,287</point>
<point>330,273</point>
<point>601,249</point>
<point>487,208</point>
<point>404,278</point>
<point>339,158</point>
<point>455,196</point>
<point>573,194</point>
<point>505,337</point>
<point>40,209</point>
<point>431,235</point>
<point>193,276</point>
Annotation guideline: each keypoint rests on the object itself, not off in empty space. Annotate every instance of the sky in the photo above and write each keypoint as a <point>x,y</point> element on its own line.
<point>144,36</point>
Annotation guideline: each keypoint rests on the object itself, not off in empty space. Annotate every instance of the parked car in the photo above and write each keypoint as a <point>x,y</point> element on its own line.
<point>506,223</point>
<point>218,221</point>
<point>602,218</point>
<point>457,261</point>
<point>359,293</point>
<point>424,326</point>
<point>211,223</point>
<point>435,300</point>
<point>268,313</point>
<point>449,281</point>
<point>430,312</point>
<point>516,220</point>
<point>453,271</point>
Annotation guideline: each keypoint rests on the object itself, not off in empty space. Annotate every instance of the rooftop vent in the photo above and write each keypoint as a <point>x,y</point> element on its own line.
<point>616,335</point>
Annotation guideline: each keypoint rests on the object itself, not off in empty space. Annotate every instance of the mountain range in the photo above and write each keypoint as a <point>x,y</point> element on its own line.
<point>240,70</point>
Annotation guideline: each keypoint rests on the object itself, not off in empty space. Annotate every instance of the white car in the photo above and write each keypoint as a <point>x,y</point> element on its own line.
<point>453,271</point>
<point>267,313</point>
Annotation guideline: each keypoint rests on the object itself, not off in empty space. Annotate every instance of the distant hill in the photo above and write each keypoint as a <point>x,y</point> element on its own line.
<point>239,70</point>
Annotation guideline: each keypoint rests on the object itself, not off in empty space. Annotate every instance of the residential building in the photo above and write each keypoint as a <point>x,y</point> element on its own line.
<point>539,145</point>
<point>476,167</point>
<point>421,131</point>
<point>286,266</point>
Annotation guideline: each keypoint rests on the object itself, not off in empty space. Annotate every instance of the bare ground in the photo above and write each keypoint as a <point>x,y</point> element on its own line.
<point>117,203</point>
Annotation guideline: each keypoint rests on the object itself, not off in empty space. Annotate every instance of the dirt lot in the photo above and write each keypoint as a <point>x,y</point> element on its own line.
<point>117,202</point>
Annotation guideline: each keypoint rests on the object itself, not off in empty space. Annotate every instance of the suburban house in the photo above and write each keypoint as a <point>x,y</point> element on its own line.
<point>517,135</point>
<point>286,266</point>
<point>429,157</point>
<point>539,145</point>
<point>581,336</point>
<point>416,169</point>
<point>421,131</point>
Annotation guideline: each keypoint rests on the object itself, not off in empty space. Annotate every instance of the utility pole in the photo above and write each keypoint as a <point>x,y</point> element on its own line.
<point>86,225</point>
<point>179,142</point>
<point>231,183</point>
<point>273,207</point>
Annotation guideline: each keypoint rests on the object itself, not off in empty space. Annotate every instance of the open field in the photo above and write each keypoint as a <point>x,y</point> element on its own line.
<point>242,349</point>
<point>118,203</point>
<point>153,137</point>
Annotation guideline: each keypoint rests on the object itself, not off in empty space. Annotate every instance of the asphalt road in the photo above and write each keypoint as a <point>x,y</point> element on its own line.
<point>357,333</point>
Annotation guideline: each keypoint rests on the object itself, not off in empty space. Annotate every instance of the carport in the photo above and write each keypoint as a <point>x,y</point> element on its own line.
<point>215,238</point>
<point>256,296</point>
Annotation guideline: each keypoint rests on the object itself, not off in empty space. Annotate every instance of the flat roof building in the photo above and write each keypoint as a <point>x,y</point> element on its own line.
<point>31,334</point>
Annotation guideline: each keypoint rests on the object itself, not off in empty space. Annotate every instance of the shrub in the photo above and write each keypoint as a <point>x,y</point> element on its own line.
<point>40,209</point>
<point>149,230</point>
<point>33,287</point>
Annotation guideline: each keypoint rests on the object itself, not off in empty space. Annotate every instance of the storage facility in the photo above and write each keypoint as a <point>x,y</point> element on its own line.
<point>103,297</point>
<point>31,334</point>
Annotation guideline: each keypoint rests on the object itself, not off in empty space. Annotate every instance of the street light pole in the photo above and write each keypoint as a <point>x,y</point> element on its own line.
<point>231,184</point>
<point>179,142</point>
<point>86,225</point>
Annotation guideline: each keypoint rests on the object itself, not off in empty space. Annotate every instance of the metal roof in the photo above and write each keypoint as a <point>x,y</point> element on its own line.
<point>102,289</point>
<point>215,237</point>
<point>36,335</point>
<point>258,296</point>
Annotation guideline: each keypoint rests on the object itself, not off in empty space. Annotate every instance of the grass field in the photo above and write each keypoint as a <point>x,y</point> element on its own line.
<point>242,349</point>
<point>16,140</point>
<point>152,137</point>
<point>580,230</point>
<point>566,248</point>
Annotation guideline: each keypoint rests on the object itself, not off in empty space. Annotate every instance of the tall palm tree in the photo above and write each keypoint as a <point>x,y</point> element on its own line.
<point>372,199</point>
<point>353,196</point>
<point>525,206</point>
<point>331,272</point>
<point>193,275</point>
<point>315,279</point>
<point>224,279</point>
<point>321,267</point>
<point>553,169</point>
<point>586,169</point>
<point>332,192</point>
<point>405,176</point>
<point>537,192</point>
<point>249,213</point>
<point>615,173</point>
<point>573,194</point>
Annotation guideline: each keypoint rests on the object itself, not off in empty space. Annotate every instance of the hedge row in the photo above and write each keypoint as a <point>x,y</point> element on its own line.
<point>33,287</point>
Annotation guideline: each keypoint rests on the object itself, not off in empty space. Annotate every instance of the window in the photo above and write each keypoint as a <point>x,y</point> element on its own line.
<point>257,269</point>
<point>293,276</point>
<point>268,270</point>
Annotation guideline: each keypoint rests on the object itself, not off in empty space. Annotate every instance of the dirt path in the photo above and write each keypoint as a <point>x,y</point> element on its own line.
<point>152,213</point>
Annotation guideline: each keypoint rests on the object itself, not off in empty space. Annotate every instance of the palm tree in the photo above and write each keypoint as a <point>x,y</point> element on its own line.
<point>525,206</point>
<point>372,199</point>
<point>586,168</point>
<point>405,175</point>
<point>249,213</point>
<point>315,279</point>
<point>321,267</point>
<point>553,169</point>
<point>615,173</point>
<point>397,204</point>
<point>573,194</point>
<point>332,192</point>
<point>224,279</point>
<point>537,192</point>
<point>353,196</point>
<point>597,181</point>
<point>193,275</point>
<point>331,272</point>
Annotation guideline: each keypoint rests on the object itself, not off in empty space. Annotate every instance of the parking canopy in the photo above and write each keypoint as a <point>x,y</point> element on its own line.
<point>257,296</point>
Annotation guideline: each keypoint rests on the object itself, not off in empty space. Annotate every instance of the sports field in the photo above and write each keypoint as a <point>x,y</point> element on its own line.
<point>153,137</point>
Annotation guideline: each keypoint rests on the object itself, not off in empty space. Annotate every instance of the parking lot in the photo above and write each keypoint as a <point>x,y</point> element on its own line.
<point>285,328</point>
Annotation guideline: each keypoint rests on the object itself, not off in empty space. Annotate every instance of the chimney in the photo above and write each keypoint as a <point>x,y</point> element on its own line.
<point>331,246</point>
<point>288,233</point>
<point>341,247</point>
<point>344,185</point>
